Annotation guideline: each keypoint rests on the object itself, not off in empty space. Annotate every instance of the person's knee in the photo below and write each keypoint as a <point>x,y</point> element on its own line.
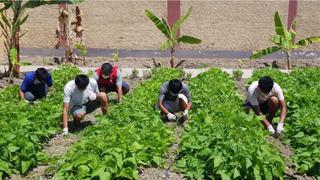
<point>183,101</point>
<point>273,101</point>
<point>78,116</point>
<point>102,96</point>
<point>29,96</point>
<point>125,90</point>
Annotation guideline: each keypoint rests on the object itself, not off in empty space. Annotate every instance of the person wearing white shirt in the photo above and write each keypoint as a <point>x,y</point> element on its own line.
<point>82,96</point>
<point>265,97</point>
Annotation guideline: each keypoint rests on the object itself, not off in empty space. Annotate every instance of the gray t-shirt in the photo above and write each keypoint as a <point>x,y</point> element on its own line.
<point>166,96</point>
<point>118,80</point>
<point>74,96</point>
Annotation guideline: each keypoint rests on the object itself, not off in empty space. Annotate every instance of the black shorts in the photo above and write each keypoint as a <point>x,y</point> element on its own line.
<point>264,107</point>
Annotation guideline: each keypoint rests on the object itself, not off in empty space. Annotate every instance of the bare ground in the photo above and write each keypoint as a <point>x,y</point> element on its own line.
<point>130,62</point>
<point>167,172</point>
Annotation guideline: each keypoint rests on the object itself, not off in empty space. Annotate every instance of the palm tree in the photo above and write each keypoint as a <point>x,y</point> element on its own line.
<point>284,41</point>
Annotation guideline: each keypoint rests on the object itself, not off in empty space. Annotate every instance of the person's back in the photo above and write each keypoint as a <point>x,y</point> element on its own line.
<point>35,85</point>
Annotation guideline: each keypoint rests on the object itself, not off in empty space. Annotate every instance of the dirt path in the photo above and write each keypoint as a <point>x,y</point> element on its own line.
<point>167,172</point>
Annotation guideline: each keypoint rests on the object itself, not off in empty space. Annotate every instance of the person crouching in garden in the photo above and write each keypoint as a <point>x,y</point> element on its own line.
<point>174,97</point>
<point>265,97</point>
<point>109,79</point>
<point>35,85</point>
<point>82,96</point>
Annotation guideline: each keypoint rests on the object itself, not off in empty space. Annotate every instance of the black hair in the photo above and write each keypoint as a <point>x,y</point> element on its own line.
<point>266,83</point>
<point>106,67</point>
<point>175,86</point>
<point>41,74</point>
<point>82,81</point>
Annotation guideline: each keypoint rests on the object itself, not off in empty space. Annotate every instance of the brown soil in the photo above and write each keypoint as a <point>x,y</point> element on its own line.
<point>189,62</point>
<point>167,172</point>
<point>4,81</point>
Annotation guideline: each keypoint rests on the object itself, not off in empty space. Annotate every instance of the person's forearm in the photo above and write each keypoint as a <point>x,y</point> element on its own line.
<point>283,114</point>
<point>163,109</point>
<point>65,118</point>
<point>21,94</point>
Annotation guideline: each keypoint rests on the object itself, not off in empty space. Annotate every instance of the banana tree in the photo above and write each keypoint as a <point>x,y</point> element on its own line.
<point>171,33</point>
<point>10,26</point>
<point>284,40</point>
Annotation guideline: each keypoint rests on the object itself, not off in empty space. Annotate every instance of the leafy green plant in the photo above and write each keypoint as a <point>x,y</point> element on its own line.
<point>82,51</point>
<point>24,128</point>
<point>134,73</point>
<point>131,135</point>
<point>222,141</point>
<point>284,41</point>
<point>237,74</point>
<point>171,33</point>
<point>10,27</point>
<point>115,56</point>
<point>301,89</point>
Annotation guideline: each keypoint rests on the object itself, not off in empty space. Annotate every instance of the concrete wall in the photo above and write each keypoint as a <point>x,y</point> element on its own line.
<point>221,24</point>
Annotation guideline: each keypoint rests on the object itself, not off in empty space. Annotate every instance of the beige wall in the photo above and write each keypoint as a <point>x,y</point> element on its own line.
<point>222,25</point>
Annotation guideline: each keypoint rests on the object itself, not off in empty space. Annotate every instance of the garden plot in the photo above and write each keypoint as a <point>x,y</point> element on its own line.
<point>302,91</point>
<point>132,135</point>
<point>24,127</point>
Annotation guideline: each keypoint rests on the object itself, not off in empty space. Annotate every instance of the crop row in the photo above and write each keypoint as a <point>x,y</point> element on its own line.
<point>221,141</point>
<point>132,135</point>
<point>302,130</point>
<point>24,127</point>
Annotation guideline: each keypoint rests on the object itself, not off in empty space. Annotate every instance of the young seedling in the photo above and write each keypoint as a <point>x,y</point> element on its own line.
<point>171,34</point>
<point>284,41</point>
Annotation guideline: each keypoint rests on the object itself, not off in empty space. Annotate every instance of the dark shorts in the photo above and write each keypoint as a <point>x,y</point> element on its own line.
<point>264,107</point>
<point>125,85</point>
<point>85,108</point>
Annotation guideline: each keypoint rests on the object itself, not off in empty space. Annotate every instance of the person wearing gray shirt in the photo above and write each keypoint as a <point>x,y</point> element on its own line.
<point>174,97</point>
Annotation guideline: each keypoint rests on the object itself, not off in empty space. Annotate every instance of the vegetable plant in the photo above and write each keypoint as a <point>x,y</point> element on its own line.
<point>284,40</point>
<point>171,33</point>
<point>130,136</point>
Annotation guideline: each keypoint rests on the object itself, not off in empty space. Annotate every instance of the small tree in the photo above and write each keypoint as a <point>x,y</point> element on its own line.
<point>171,33</point>
<point>284,41</point>
<point>10,27</point>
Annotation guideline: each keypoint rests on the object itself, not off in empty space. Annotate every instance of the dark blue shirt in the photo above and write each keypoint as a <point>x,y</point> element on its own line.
<point>28,85</point>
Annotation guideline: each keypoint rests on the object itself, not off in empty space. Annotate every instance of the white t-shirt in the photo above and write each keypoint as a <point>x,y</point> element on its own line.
<point>256,97</point>
<point>74,96</point>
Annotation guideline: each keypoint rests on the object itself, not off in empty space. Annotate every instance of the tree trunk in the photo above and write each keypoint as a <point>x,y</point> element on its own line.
<point>289,60</point>
<point>16,70</point>
<point>172,54</point>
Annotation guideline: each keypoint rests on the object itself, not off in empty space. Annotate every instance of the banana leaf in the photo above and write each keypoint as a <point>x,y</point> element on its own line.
<point>265,52</point>
<point>189,40</point>
<point>160,25</point>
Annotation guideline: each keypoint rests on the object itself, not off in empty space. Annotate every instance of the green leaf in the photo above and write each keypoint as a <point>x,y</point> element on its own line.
<point>159,24</point>
<point>189,40</point>
<point>25,166</point>
<point>4,166</point>
<point>158,160</point>
<point>136,147</point>
<point>13,148</point>
<point>264,52</point>
<point>248,163</point>
<point>13,56</point>
<point>278,25</point>
<point>217,160</point>
<point>178,23</point>
<point>307,41</point>
<point>165,45</point>
<point>278,40</point>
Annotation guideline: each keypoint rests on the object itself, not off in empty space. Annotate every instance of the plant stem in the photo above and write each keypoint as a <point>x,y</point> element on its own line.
<point>289,60</point>
<point>172,52</point>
